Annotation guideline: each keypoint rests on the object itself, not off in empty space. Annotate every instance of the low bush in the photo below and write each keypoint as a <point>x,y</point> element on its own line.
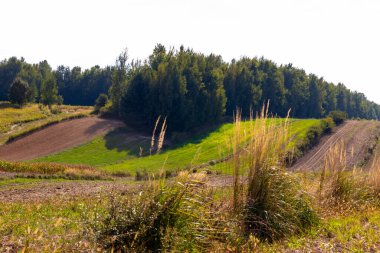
<point>338,116</point>
<point>327,125</point>
<point>100,102</point>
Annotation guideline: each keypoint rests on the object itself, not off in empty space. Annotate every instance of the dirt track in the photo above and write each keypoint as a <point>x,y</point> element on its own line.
<point>56,138</point>
<point>357,137</point>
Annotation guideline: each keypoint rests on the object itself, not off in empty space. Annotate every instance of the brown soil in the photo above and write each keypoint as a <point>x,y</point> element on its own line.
<point>357,136</point>
<point>56,138</point>
<point>43,191</point>
<point>66,190</point>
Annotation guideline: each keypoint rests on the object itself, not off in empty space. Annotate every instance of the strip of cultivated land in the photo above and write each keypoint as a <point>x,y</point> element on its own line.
<point>17,122</point>
<point>127,151</point>
<point>57,138</point>
<point>358,137</point>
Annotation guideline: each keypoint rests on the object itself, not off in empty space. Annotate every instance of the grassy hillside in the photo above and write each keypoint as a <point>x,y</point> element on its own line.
<point>16,121</point>
<point>119,150</point>
<point>334,209</point>
<point>116,146</point>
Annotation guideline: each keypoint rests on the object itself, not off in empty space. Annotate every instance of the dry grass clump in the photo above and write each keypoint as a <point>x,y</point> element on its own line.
<point>22,169</point>
<point>272,203</point>
<point>374,175</point>
<point>161,217</point>
<point>342,189</point>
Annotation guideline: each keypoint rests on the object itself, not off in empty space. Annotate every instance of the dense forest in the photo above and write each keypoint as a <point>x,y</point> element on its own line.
<point>191,88</point>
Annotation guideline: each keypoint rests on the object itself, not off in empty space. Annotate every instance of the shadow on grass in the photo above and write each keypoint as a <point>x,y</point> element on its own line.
<point>124,139</point>
<point>133,142</point>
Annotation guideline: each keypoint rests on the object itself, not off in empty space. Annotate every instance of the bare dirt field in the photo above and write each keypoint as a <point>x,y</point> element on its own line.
<point>358,138</point>
<point>56,138</point>
<point>62,190</point>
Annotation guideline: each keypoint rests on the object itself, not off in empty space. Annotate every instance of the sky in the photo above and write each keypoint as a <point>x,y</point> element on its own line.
<point>336,39</point>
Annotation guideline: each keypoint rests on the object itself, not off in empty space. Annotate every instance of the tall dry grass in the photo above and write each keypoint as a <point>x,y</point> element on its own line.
<point>374,174</point>
<point>342,189</point>
<point>271,202</point>
<point>157,145</point>
<point>160,217</point>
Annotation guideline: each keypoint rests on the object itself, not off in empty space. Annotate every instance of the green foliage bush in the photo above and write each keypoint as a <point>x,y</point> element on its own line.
<point>18,92</point>
<point>100,102</point>
<point>327,125</point>
<point>338,116</point>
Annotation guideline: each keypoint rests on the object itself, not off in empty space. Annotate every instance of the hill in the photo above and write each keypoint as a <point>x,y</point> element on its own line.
<point>119,151</point>
<point>56,138</point>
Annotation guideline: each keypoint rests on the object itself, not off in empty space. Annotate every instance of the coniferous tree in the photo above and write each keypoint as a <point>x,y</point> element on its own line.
<point>119,79</point>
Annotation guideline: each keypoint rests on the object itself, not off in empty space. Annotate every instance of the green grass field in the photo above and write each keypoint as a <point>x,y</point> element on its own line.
<point>35,224</point>
<point>119,150</point>
<point>116,146</point>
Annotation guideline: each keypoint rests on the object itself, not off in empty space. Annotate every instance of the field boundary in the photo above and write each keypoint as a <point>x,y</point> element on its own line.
<point>20,135</point>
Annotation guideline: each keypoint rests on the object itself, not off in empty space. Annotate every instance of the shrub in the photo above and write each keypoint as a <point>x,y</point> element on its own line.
<point>100,102</point>
<point>338,116</point>
<point>107,110</point>
<point>55,110</point>
<point>18,93</point>
<point>327,125</point>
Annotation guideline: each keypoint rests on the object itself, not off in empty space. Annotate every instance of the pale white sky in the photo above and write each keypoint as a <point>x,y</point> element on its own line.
<point>336,39</point>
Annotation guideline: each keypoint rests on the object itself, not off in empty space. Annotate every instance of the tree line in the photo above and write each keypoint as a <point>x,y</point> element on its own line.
<point>191,89</point>
<point>75,86</point>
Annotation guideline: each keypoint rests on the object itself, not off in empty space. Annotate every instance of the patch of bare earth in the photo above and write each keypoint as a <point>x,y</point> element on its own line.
<point>357,136</point>
<point>57,138</point>
<point>42,191</point>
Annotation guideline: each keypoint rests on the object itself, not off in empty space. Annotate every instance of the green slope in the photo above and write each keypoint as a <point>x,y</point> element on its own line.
<point>119,150</point>
<point>116,146</point>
